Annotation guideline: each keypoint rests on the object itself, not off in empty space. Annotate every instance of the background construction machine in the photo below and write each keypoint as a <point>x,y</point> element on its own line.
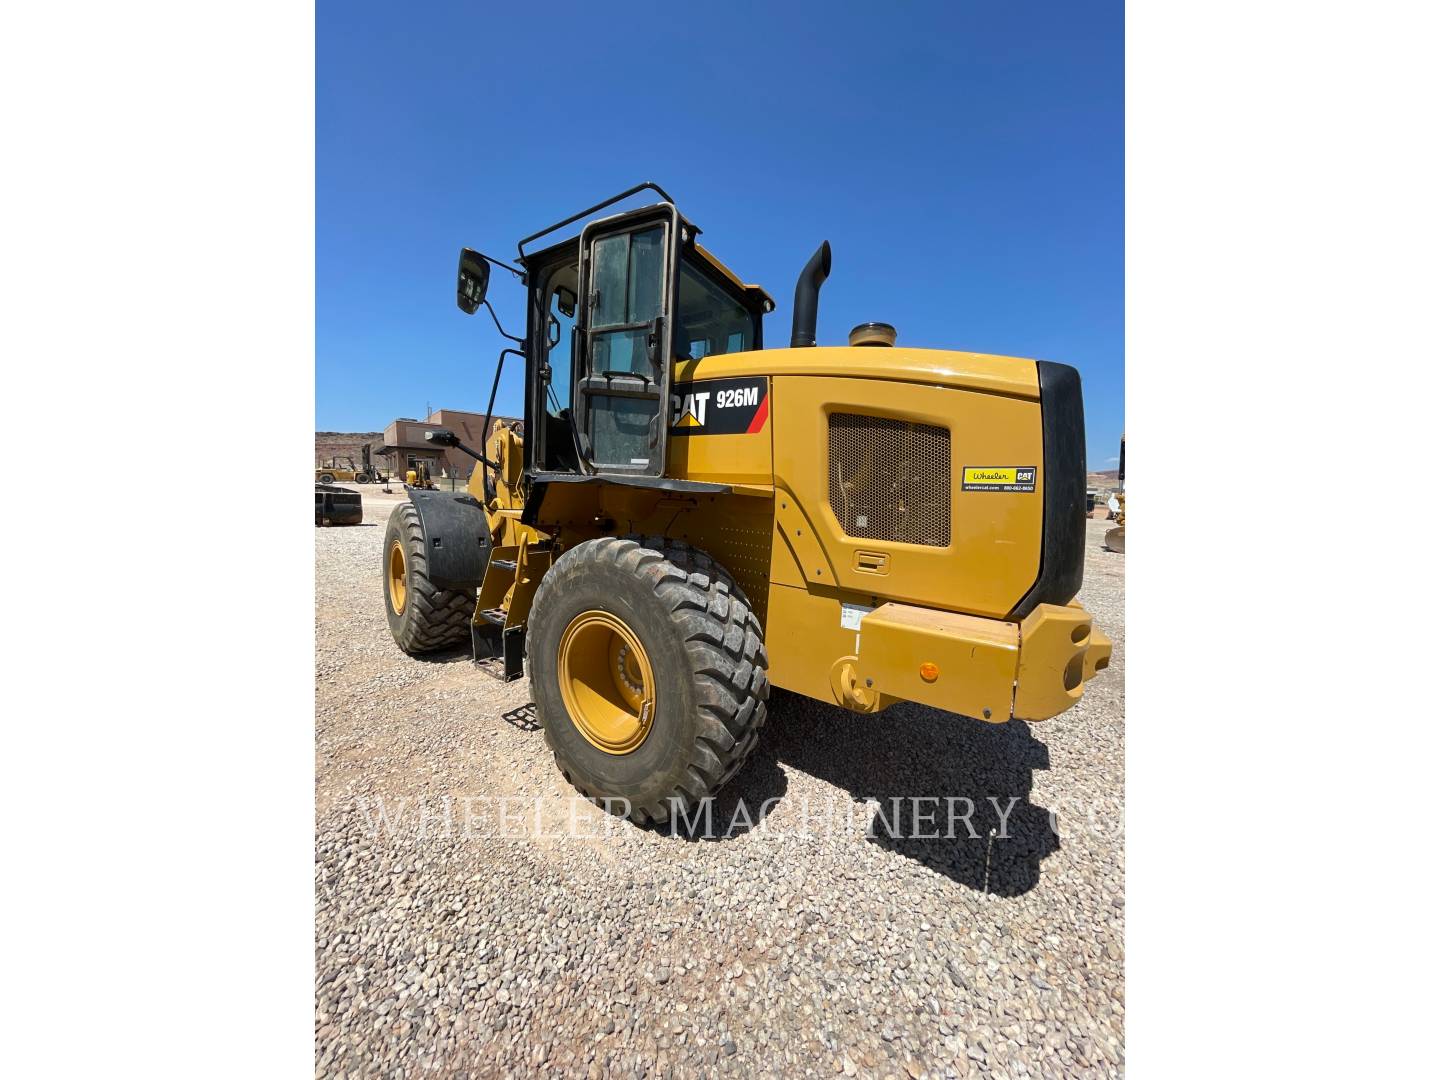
<point>1115,538</point>
<point>337,473</point>
<point>418,476</point>
<point>691,518</point>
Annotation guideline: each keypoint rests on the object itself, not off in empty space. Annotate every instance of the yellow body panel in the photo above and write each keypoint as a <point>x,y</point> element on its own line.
<point>799,560</point>
<point>1059,649</point>
<point>993,555</point>
<point>723,459</point>
<point>852,620</point>
<point>808,644</point>
<point>974,660</point>
<point>1007,375</point>
<point>867,659</point>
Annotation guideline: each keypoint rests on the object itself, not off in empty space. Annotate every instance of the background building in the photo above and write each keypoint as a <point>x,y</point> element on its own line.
<point>404,442</point>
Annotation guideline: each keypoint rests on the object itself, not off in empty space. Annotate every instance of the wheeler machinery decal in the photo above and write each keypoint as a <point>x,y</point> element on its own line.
<point>999,478</point>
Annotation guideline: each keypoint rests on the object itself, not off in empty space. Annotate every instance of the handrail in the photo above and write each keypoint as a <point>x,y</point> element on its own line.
<point>520,247</point>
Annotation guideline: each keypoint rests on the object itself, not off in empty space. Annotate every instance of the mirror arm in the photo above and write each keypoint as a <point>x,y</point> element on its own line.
<point>503,266</point>
<point>490,409</point>
<point>496,320</point>
<point>448,439</point>
<point>478,457</point>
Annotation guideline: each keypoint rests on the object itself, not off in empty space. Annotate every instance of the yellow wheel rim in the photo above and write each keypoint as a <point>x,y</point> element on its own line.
<point>606,682</point>
<point>395,574</point>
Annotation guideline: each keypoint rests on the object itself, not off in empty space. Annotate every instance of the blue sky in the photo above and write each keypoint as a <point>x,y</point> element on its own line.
<point>964,159</point>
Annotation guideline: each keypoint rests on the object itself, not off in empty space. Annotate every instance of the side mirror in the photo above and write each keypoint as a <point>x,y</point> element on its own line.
<point>443,437</point>
<point>473,280</point>
<point>566,300</point>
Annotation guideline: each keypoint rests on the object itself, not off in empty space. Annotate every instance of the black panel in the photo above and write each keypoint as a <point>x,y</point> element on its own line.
<point>457,537</point>
<point>542,480</point>
<point>654,483</point>
<point>1062,553</point>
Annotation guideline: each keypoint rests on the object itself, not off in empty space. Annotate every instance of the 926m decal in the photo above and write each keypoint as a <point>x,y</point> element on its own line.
<point>719,406</point>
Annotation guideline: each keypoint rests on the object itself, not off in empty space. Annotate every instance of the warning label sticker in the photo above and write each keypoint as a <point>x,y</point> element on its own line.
<point>999,478</point>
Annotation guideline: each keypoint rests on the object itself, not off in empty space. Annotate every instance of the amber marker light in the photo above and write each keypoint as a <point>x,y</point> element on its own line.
<point>929,672</point>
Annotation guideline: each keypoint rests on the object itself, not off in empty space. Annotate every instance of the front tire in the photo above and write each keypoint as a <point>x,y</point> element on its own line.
<point>422,617</point>
<point>648,669</point>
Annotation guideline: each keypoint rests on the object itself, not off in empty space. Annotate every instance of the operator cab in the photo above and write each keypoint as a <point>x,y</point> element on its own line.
<point>609,313</point>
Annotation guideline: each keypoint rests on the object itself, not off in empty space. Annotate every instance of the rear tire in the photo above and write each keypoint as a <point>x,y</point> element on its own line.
<point>327,478</point>
<point>703,653</point>
<point>422,617</point>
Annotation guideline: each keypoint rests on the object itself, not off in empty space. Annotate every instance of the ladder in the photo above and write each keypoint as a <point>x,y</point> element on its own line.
<point>497,630</point>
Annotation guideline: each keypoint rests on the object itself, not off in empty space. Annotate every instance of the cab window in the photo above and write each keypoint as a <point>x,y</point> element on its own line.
<point>560,340</point>
<point>557,440</point>
<point>629,282</point>
<point>709,320</point>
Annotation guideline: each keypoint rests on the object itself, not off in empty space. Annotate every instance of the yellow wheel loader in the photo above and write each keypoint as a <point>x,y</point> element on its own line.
<point>691,518</point>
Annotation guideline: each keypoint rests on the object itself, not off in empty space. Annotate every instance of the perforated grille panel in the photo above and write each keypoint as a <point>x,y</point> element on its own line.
<point>889,479</point>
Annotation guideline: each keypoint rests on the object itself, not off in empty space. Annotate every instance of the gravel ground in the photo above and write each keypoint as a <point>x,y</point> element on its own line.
<point>473,918</point>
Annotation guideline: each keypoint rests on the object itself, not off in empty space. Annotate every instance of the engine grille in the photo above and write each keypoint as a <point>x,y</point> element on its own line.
<point>890,479</point>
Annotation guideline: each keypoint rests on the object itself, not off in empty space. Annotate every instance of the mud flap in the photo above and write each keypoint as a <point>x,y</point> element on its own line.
<point>457,537</point>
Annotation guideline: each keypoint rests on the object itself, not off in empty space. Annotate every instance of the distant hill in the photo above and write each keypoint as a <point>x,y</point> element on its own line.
<point>343,444</point>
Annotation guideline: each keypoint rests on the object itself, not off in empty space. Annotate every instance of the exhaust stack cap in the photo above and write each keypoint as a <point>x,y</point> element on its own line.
<point>879,334</point>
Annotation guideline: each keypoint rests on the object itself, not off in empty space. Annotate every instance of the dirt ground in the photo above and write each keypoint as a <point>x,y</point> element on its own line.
<point>473,918</point>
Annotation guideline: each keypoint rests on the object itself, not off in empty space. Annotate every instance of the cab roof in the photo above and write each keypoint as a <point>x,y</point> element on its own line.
<point>526,259</point>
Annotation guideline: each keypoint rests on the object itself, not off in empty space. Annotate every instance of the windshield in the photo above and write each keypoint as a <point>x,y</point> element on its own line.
<point>710,320</point>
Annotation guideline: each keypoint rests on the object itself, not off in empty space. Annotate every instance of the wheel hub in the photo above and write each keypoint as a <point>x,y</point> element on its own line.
<point>606,682</point>
<point>627,670</point>
<point>395,575</point>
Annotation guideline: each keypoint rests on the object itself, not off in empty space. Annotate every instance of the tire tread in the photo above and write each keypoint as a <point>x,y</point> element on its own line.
<point>438,618</point>
<point>726,648</point>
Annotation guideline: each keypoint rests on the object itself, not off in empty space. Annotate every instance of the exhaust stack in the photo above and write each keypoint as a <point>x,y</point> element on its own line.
<point>807,298</point>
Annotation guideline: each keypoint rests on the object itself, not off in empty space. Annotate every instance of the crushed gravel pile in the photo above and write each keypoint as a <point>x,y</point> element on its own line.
<point>473,917</point>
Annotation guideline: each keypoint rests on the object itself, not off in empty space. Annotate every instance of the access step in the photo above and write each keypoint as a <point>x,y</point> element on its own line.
<point>498,651</point>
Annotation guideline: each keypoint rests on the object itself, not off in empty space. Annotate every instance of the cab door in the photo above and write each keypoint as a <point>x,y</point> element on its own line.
<point>622,387</point>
